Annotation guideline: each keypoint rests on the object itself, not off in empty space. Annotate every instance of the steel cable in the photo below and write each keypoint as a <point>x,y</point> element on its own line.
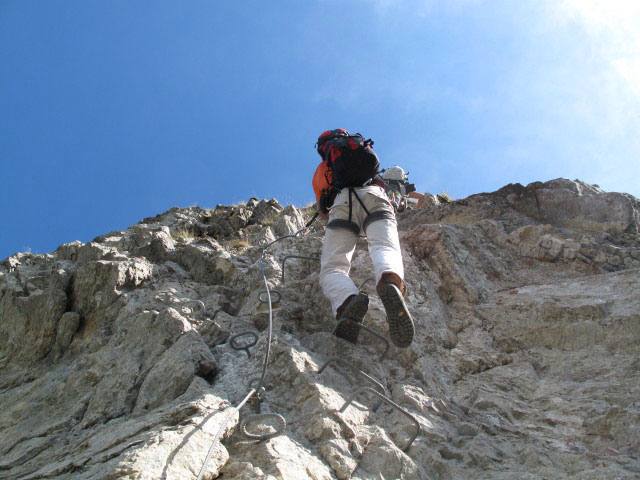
<point>270,331</point>
<point>220,429</point>
<point>259,388</point>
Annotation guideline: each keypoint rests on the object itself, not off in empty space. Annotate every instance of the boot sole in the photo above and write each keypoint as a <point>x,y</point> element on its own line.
<point>401,329</point>
<point>349,330</point>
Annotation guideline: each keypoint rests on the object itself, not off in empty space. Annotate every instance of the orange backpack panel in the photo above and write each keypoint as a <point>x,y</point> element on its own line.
<point>321,180</point>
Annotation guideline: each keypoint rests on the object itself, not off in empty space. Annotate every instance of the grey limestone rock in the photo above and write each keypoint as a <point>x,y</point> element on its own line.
<point>174,371</point>
<point>67,326</point>
<point>289,221</point>
<point>116,359</point>
<point>577,205</point>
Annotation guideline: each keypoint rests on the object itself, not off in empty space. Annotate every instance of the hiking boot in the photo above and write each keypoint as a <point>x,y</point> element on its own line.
<point>354,309</point>
<point>390,290</point>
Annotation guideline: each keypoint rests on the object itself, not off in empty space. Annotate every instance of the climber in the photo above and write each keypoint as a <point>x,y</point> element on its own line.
<point>351,194</point>
<point>399,190</point>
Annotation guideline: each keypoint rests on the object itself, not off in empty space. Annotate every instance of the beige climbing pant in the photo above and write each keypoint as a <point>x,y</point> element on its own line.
<point>363,210</point>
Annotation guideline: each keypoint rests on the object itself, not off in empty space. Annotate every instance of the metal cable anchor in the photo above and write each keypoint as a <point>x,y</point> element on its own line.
<point>371,331</point>
<point>388,401</point>
<point>254,404</point>
<point>245,347</point>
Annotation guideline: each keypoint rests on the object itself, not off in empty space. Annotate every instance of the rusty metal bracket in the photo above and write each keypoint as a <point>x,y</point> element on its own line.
<point>388,401</point>
<point>359,372</point>
<point>245,347</point>
<point>315,256</point>
<point>255,404</point>
<point>256,400</point>
<point>372,332</point>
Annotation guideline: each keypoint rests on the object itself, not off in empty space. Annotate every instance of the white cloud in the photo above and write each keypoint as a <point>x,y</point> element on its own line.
<point>558,83</point>
<point>612,95</point>
<point>614,30</point>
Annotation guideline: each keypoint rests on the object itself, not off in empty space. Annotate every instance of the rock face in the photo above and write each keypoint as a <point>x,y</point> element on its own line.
<point>576,205</point>
<point>116,358</point>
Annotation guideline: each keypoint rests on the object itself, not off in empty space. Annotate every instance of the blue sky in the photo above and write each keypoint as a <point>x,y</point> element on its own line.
<point>112,111</point>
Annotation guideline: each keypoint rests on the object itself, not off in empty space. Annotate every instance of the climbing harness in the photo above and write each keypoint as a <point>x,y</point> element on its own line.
<point>255,394</point>
<point>348,224</point>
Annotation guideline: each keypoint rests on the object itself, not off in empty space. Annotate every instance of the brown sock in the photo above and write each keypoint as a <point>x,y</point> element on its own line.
<point>394,279</point>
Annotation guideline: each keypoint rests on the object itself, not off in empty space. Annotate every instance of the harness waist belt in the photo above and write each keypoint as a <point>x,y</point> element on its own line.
<point>377,215</point>
<point>340,223</point>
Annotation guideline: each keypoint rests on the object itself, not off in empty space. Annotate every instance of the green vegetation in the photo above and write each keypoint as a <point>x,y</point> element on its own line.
<point>446,197</point>
<point>239,244</point>
<point>182,235</point>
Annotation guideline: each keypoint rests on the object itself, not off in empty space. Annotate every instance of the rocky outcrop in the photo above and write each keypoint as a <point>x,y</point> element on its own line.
<point>576,205</point>
<point>116,359</point>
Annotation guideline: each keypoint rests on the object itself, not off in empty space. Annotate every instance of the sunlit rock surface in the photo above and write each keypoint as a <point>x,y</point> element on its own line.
<point>115,356</point>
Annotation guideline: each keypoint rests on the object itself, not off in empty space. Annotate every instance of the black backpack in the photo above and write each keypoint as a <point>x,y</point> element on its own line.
<point>350,158</point>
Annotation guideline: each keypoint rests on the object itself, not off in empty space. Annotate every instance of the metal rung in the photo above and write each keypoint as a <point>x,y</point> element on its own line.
<point>316,256</point>
<point>264,243</point>
<point>371,331</point>
<point>359,372</point>
<point>282,425</point>
<point>388,401</point>
<point>232,342</point>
